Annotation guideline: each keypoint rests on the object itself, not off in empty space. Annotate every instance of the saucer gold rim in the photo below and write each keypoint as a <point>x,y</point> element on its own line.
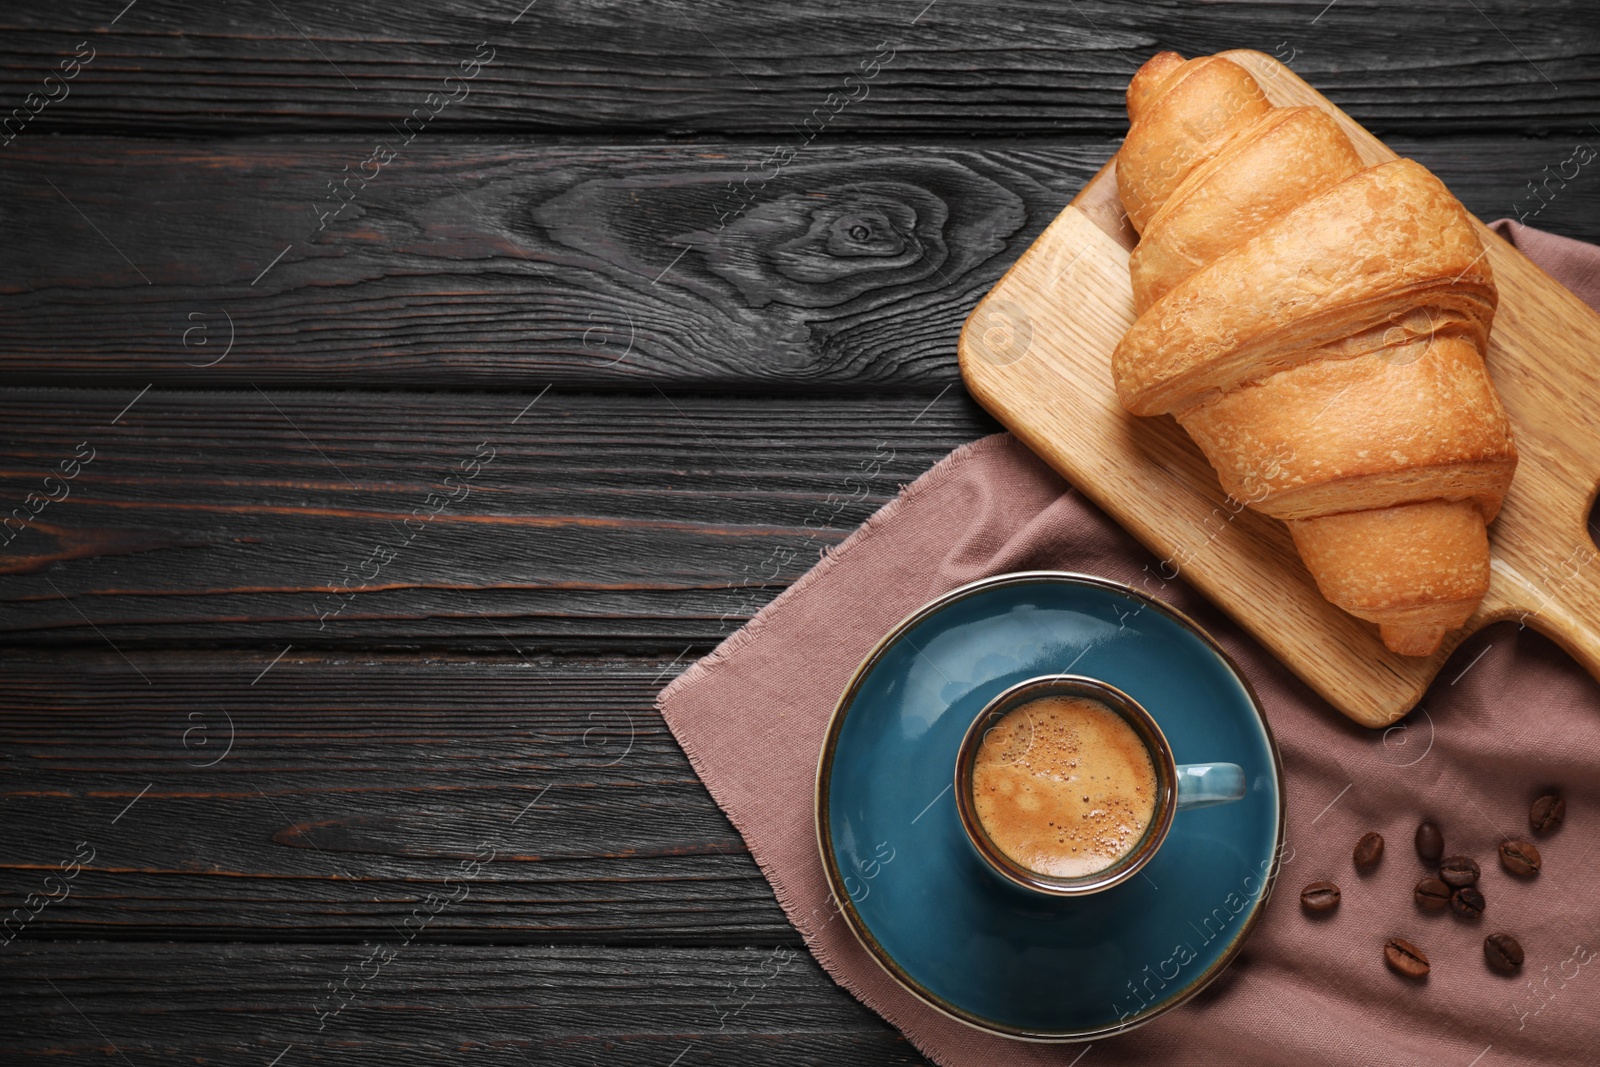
<point>846,906</point>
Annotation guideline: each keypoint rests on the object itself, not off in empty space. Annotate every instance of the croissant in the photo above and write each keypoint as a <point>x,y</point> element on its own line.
<point>1318,328</point>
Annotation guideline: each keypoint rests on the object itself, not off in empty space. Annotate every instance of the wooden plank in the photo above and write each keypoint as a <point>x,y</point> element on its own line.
<point>473,264</point>
<point>189,68</point>
<point>229,796</point>
<point>1037,355</point>
<point>278,517</point>
<point>73,1004</point>
<point>476,263</point>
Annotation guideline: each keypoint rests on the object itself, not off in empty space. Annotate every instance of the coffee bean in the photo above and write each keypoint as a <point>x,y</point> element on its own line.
<point>1520,858</point>
<point>1404,958</point>
<point>1430,842</point>
<point>1503,953</point>
<point>1320,896</point>
<point>1432,895</point>
<point>1458,871</point>
<point>1467,902</point>
<point>1547,813</point>
<point>1369,850</point>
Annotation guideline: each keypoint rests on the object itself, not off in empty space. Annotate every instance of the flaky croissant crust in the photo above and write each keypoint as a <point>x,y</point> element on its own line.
<point>1318,327</point>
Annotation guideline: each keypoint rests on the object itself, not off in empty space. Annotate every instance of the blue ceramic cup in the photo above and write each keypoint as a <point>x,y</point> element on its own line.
<point>1178,788</point>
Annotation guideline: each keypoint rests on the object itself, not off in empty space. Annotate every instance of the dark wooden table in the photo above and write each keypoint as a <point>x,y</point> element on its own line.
<point>397,395</point>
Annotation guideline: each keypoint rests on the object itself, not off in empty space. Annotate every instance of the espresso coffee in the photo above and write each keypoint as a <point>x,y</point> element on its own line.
<point>1064,786</point>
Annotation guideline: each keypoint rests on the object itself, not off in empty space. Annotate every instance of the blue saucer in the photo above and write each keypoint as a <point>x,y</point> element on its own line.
<point>946,926</point>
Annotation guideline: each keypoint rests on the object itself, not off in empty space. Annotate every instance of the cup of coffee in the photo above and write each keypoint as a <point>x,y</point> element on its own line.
<point>1066,786</point>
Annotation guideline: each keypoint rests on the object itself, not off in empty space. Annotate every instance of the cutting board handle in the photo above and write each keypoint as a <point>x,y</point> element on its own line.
<point>1560,597</point>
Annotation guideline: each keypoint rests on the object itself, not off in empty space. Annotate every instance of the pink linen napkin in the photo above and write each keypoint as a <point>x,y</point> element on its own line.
<point>1508,717</point>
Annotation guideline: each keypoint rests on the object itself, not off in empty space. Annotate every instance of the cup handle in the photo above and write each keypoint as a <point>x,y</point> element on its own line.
<point>1202,785</point>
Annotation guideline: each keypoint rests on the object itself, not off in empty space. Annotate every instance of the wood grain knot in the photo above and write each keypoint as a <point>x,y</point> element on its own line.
<point>809,236</point>
<point>830,245</point>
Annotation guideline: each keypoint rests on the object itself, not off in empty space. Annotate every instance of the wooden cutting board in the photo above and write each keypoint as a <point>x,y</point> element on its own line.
<point>1036,352</point>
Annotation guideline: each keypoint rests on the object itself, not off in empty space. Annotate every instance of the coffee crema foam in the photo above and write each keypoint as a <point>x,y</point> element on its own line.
<point>1064,786</point>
